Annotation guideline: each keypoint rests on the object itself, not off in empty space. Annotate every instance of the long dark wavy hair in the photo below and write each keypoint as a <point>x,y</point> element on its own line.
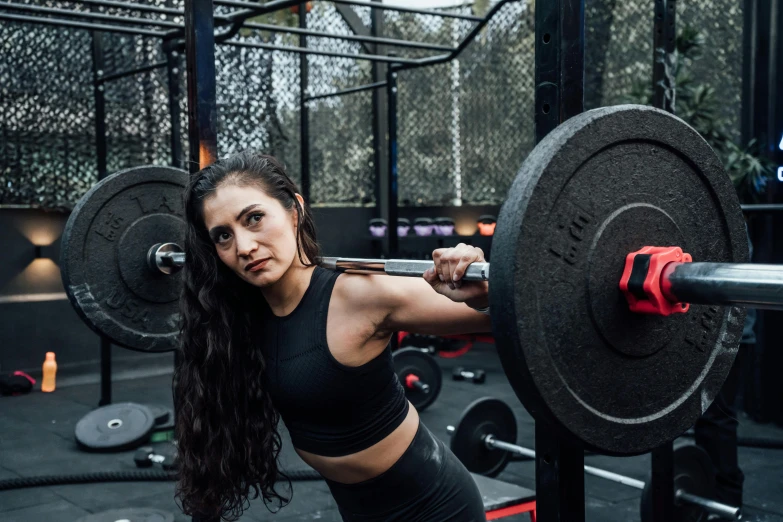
<point>226,425</point>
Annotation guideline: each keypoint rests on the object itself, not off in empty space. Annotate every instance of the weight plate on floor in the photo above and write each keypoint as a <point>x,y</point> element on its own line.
<point>486,416</point>
<point>413,362</point>
<point>115,427</point>
<point>130,515</point>
<point>161,413</point>
<point>605,183</point>
<point>104,257</point>
<point>693,474</point>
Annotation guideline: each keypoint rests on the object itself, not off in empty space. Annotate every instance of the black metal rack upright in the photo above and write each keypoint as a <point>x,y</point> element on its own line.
<point>196,37</point>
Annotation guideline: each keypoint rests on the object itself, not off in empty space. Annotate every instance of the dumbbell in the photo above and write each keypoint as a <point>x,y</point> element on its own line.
<point>419,374</point>
<point>461,374</point>
<point>145,457</point>
<point>479,440</point>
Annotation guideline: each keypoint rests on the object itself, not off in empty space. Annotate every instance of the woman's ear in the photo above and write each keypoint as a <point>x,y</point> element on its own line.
<point>300,202</point>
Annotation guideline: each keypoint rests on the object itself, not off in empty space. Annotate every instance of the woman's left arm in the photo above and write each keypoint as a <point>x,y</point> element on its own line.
<point>439,303</point>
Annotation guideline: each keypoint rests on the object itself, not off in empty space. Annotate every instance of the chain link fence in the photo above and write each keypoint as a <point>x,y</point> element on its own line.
<point>464,127</point>
<point>619,56</point>
<point>47,115</point>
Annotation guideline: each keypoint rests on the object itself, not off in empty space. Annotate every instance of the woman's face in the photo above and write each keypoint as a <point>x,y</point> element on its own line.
<point>253,234</point>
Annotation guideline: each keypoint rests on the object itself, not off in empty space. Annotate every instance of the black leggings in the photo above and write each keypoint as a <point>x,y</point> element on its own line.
<point>427,483</point>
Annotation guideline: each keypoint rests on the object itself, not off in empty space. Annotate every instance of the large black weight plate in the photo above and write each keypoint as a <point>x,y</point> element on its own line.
<point>104,257</point>
<point>486,416</point>
<point>603,184</point>
<point>413,361</point>
<point>693,474</point>
<point>115,427</point>
<point>130,515</point>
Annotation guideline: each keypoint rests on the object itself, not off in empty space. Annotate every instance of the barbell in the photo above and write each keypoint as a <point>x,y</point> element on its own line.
<point>481,441</point>
<point>584,206</point>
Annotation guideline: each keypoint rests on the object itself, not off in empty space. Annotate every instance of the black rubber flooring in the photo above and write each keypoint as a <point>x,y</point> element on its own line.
<point>37,438</point>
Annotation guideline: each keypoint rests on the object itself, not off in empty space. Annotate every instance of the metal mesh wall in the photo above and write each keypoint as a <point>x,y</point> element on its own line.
<point>47,115</point>
<point>720,22</point>
<point>619,54</point>
<point>138,123</point>
<point>496,105</point>
<point>464,127</point>
<point>48,151</point>
<point>341,141</point>
<point>619,49</point>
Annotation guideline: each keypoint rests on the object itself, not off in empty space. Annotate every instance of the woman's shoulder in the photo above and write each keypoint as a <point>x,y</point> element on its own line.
<point>364,292</point>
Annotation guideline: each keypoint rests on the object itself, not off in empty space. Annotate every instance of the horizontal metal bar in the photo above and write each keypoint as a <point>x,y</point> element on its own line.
<point>765,207</point>
<point>351,90</point>
<point>713,507</point>
<point>434,60</point>
<point>132,72</point>
<point>294,49</point>
<point>349,37</point>
<point>130,6</point>
<point>176,259</point>
<point>257,9</point>
<point>33,298</point>
<point>492,442</point>
<point>614,477</point>
<point>361,3</point>
<point>743,284</point>
<point>79,25</point>
<point>87,15</point>
<point>397,267</point>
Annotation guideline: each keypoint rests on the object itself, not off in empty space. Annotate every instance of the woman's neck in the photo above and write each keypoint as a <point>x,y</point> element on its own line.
<point>287,292</point>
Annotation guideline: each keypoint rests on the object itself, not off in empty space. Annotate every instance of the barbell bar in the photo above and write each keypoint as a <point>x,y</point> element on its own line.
<point>485,418</point>
<point>741,284</point>
<point>598,187</point>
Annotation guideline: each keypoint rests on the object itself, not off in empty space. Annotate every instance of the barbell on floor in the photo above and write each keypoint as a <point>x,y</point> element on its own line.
<point>598,188</point>
<point>480,441</point>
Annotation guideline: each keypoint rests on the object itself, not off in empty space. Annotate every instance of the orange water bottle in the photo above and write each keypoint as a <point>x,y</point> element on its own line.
<point>49,373</point>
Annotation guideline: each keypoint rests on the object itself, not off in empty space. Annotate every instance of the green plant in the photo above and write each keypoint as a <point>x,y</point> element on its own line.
<point>696,104</point>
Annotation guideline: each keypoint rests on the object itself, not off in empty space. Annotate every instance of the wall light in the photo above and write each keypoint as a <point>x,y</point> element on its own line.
<point>50,251</point>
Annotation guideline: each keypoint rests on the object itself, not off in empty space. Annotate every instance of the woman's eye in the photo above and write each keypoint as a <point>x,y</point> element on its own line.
<point>255,218</point>
<point>223,237</point>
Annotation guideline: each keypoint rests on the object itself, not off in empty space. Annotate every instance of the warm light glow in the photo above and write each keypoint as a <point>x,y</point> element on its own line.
<point>42,275</point>
<point>465,227</point>
<point>40,233</point>
<point>205,156</point>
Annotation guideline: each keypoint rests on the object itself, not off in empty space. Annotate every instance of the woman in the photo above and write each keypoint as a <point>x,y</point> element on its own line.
<point>267,334</point>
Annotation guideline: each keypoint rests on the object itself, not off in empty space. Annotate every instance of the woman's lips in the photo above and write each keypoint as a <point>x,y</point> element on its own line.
<point>255,266</point>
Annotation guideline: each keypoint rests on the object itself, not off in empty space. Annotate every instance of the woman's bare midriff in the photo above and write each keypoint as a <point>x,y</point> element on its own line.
<point>370,462</point>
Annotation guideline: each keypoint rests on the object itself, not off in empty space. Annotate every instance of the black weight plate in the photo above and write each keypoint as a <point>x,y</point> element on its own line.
<point>115,427</point>
<point>603,184</point>
<point>486,416</point>
<point>693,474</point>
<point>104,257</point>
<point>413,361</point>
<point>130,515</point>
<point>161,413</point>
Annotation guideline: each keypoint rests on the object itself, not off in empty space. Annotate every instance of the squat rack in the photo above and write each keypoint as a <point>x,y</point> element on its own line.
<point>559,71</point>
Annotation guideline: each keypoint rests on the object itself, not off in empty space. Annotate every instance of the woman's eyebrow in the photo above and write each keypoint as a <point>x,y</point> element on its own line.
<point>219,228</point>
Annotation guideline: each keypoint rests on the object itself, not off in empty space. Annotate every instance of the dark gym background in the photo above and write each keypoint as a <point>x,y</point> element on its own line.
<point>464,129</point>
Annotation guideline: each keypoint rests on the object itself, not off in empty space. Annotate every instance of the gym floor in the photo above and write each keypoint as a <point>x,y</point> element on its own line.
<point>36,438</point>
